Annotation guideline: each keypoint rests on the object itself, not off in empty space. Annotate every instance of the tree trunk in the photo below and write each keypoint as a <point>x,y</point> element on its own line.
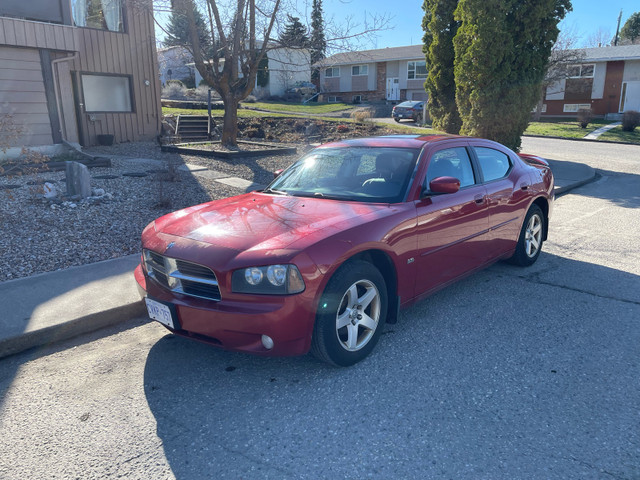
<point>230,122</point>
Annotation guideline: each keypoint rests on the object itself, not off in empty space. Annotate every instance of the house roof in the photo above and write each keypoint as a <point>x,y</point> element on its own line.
<point>412,52</point>
<point>388,54</point>
<point>604,54</point>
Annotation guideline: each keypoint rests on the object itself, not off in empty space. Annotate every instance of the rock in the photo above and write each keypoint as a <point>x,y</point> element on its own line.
<point>50,190</point>
<point>78,180</point>
<point>97,192</point>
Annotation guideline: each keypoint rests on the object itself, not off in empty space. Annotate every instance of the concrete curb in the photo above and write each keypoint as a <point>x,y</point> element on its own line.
<point>559,191</point>
<point>70,328</point>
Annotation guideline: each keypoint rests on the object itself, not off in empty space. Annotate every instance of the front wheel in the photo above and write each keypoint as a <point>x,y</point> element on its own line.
<point>531,238</point>
<point>351,315</point>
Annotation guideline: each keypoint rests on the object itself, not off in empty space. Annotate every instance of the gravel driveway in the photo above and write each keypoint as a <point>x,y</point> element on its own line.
<point>40,235</point>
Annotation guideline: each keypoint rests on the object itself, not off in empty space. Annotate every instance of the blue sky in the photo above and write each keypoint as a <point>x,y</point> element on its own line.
<point>587,17</point>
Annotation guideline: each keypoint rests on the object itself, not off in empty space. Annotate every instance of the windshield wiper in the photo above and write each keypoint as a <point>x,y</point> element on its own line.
<point>275,192</point>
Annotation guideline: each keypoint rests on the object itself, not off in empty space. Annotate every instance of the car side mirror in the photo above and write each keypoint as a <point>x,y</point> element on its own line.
<point>277,173</point>
<point>444,185</point>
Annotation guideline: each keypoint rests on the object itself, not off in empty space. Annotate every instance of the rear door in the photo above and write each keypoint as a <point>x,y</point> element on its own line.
<point>507,197</point>
<point>451,228</point>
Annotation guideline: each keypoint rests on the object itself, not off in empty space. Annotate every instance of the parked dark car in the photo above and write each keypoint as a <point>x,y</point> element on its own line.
<point>411,110</point>
<point>340,241</point>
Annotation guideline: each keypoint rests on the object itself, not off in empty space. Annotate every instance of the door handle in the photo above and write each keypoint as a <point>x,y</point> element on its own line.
<point>479,199</point>
<point>524,186</point>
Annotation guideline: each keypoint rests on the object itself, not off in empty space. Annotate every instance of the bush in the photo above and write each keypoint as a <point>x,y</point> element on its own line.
<point>630,120</point>
<point>362,115</point>
<point>584,117</point>
<point>250,99</point>
<point>190,81</point>
<point>174,90</point>
<point>202,93</point>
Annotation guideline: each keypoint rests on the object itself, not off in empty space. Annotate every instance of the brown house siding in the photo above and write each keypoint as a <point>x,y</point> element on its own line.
<point>132,53</point>
<point>22,95</point>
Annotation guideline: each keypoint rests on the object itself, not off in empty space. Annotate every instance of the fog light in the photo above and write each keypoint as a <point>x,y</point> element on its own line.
<point>267,342</point>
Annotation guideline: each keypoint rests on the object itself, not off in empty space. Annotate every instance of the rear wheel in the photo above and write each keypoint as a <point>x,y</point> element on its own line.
<point>351,314</point>
<point>396,119</point>
<point>531,238</point>
<point>418,118</point>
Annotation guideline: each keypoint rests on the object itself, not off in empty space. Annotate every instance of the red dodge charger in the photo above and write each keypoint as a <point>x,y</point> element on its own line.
<point>340,241</point>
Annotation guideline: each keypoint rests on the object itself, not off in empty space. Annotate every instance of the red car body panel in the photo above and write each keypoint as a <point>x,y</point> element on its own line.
<point>430,242</point>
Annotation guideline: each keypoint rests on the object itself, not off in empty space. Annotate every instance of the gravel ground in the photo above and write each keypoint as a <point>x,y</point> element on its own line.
<point>40,235</point>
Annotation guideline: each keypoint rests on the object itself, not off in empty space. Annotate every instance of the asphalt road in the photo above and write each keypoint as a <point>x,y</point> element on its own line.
<point>512,373</point>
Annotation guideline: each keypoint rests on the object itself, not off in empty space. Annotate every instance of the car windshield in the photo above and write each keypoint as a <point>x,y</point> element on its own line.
<point>363,174</point>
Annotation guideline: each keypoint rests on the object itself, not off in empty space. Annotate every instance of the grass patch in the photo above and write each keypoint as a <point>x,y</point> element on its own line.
<point>217,113</point>
<point>563,129</point>
<point>618,135</point>
<point>309,108</point>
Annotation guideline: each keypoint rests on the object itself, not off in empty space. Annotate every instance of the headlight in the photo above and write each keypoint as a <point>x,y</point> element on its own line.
<point>271,279</point>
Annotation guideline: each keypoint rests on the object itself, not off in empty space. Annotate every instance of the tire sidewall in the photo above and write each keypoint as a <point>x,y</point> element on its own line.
<point>325,327</point>
<point>521,257</point>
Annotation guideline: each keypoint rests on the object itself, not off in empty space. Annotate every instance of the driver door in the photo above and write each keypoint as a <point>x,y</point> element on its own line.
<point>453,228</point>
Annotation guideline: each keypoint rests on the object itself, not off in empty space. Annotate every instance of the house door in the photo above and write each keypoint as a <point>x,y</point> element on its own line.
<point>393,89</point>
<point>630,98</point>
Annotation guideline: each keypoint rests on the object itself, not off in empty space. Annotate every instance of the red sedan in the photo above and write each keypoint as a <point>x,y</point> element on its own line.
<point>340,241</point>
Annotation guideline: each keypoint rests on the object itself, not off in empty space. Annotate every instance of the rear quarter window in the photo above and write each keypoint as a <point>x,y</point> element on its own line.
<point>493,163</point>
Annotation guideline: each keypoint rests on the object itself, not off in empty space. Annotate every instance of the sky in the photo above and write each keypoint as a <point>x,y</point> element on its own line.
<point>587,16</point>
<point>404,20</point>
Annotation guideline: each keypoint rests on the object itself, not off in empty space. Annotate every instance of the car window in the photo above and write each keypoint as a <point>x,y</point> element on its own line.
<point>451,162</point>
<point>494,164</point>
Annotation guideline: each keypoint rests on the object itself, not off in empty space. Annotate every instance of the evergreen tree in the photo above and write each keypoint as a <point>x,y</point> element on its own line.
<point>631,29</point>
<point>440,28</point>
<point>295,34</point>
<point>178,32</point>
<point>317,43</point>
<point>501,53</point>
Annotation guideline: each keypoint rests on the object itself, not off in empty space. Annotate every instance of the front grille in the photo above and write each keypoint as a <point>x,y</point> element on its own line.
<point>181,276</point>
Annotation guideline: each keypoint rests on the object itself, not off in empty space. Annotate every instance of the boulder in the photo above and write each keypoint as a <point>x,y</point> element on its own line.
<point>78,180</point>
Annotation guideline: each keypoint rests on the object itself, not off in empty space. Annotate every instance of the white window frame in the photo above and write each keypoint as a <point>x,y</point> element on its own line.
<point>332,99</point>
<point>413,70</point>
<point>335,72</point>
<point>575,107</point>
<point>360,70</point>
<point>357,99</point>
<point>581,67</point>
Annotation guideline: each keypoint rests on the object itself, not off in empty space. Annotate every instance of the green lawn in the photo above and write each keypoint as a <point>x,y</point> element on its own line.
<point>310,108</point>
<point>617,135</point>
<point>562,128</point>
<point>242,113</point>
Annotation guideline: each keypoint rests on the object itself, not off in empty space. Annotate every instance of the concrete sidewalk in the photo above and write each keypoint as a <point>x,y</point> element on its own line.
<point>59,305</point>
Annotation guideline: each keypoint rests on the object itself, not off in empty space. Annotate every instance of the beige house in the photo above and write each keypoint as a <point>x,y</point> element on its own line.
<point>71,70</point>
<point>386,74</point>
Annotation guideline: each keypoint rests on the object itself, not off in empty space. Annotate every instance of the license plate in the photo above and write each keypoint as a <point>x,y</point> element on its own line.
<point>160,312</point>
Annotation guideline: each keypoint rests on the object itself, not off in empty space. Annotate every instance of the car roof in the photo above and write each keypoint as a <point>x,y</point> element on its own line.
<point>399,141</point>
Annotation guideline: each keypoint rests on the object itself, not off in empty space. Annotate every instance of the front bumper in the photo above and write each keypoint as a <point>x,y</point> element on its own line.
<point>238,325</point>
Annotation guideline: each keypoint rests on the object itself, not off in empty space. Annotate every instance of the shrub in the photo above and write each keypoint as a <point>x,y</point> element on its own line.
<point>362,115</point>
<point>202,93</point>
<point>630,120</point>
<point>174,91</point>
<point>584,117</point>
<point>174,82</point>
<point>250,99</point>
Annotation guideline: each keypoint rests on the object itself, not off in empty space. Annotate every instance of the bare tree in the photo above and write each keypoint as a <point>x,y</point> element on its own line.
<point>563,54</point>
<point>600,38</point>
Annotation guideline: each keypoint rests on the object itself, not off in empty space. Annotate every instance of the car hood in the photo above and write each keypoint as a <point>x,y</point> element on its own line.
<point>257,221</point>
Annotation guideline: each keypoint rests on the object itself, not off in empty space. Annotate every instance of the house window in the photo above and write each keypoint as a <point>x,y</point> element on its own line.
<point>332,72</point>
<point>101,14</point>
<point>333,99</point>
<point>359,70</point>
<point>106,93</point>
<point>357,99</point>
<point>574,107</point>
<point>416,70</point>
<point>581,71</point>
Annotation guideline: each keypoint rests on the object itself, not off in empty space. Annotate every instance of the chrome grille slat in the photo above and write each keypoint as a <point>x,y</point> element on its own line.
<point>181,276</point>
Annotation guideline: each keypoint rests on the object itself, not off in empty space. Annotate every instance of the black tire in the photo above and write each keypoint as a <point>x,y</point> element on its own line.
<point>531,238</point>
<point>418,118</point>
<point>396,119</point>
<point>351,343</point>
